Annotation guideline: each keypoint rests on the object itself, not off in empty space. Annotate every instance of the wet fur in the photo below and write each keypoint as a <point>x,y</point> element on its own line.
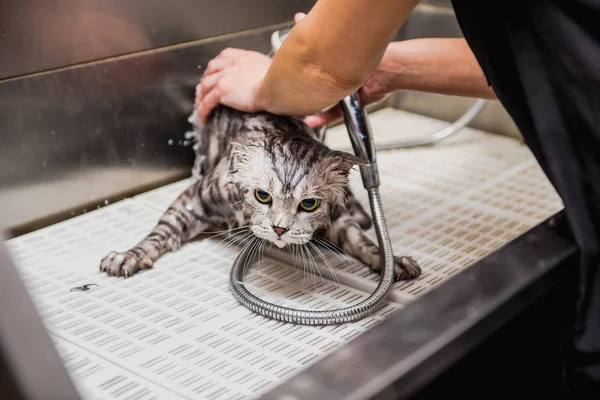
<point>238,152</point>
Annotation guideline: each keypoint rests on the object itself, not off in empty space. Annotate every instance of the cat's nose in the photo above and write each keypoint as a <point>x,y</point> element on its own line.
<point>279,230</point>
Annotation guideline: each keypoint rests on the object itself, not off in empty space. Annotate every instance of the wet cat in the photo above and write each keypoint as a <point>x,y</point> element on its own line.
<point>269,174</point>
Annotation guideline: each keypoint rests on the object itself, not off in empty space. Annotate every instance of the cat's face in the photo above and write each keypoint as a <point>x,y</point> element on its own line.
<point>290,185</point>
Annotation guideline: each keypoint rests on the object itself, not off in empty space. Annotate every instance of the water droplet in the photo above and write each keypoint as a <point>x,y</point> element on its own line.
<point>3,33</point>
<point>170,142</point>
<point>44,163</point>
<point>106,202</point>
<point>52,133</point>
<point>72,212</point>
<point>142,144</point>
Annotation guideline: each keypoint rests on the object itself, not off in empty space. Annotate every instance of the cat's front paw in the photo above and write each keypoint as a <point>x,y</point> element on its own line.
<point>406,268</point>
<point>124,264</point>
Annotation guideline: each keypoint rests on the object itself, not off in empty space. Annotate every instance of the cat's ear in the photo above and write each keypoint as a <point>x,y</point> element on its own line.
<point>348,159</point>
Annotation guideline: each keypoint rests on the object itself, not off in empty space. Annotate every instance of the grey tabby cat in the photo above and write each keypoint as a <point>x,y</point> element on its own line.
<point>273,174</point>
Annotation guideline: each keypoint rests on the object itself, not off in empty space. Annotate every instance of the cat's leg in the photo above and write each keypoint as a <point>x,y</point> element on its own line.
<point>346,233</point>
<point>357,211</point>
<point>184,219</point>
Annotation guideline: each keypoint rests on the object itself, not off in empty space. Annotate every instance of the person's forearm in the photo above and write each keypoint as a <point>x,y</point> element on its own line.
<point>330,54</point>
<point>445,66</point>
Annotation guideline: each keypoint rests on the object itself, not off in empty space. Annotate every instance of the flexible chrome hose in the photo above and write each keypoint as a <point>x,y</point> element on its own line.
<point>357,123</point>
<point>440,134</point>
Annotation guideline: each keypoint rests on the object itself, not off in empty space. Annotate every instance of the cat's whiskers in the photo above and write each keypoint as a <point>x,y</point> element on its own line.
<point>303,265</point>
<point>219,233</point>
<point>247,262</point>
<point>250,243</point>
<point>262,254</point>
<point>309,267</point>
<point>337,251</point>
<point>237,240</point>
<point>315,265</point>
<point>235,235</point>
<point>256,252</point>
<point>259,255</point>
<point>327,263</point>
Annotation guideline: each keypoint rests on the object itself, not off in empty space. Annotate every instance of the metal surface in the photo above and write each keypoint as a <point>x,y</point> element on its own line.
<point>29,363</point>
<point>406,351</point>
<point>41,35</point>
<point>82,137</point>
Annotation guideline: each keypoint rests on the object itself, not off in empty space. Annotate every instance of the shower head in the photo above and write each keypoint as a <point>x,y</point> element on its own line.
<point>277,38</point>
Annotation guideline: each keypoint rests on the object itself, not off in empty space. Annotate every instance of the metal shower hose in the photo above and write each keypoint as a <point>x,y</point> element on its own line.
<point>357,124</point>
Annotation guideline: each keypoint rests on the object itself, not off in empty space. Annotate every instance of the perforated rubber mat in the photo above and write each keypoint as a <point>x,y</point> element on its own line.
<point>175,331</point>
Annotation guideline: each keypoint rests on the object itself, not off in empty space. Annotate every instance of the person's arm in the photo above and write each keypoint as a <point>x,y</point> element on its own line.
<point>444,66</point>
<point>435,65</point>
<point>326,56</point>
<point>330,53</point>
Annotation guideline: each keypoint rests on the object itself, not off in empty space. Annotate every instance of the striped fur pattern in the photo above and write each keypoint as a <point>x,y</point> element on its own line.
<point>239,153</point>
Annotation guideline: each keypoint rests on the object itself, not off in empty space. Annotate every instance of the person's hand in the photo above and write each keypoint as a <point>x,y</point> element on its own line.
<point>232,78</point>
<point>377,87</point>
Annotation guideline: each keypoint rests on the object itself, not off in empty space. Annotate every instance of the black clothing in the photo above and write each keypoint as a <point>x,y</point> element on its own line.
<point>543,60</point>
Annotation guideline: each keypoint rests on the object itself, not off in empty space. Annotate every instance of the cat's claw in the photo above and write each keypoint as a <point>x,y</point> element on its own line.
<point>406,268</point>
<point>124,264</point>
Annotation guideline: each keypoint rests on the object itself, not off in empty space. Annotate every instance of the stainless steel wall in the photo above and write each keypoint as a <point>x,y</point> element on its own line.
<point>76,133</point>
<point>37,35</point>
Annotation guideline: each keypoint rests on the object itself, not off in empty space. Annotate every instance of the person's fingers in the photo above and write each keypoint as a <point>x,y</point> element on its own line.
<point>210,101</point>
<point>207,84</point>
<point>230,52</point>
<point>298,17</point>
<point>324,118</point>
<point>217,64</point>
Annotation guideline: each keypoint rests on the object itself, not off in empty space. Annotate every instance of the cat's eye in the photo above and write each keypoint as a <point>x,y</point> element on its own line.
<point>262,196</point>
<point>309,204</point>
